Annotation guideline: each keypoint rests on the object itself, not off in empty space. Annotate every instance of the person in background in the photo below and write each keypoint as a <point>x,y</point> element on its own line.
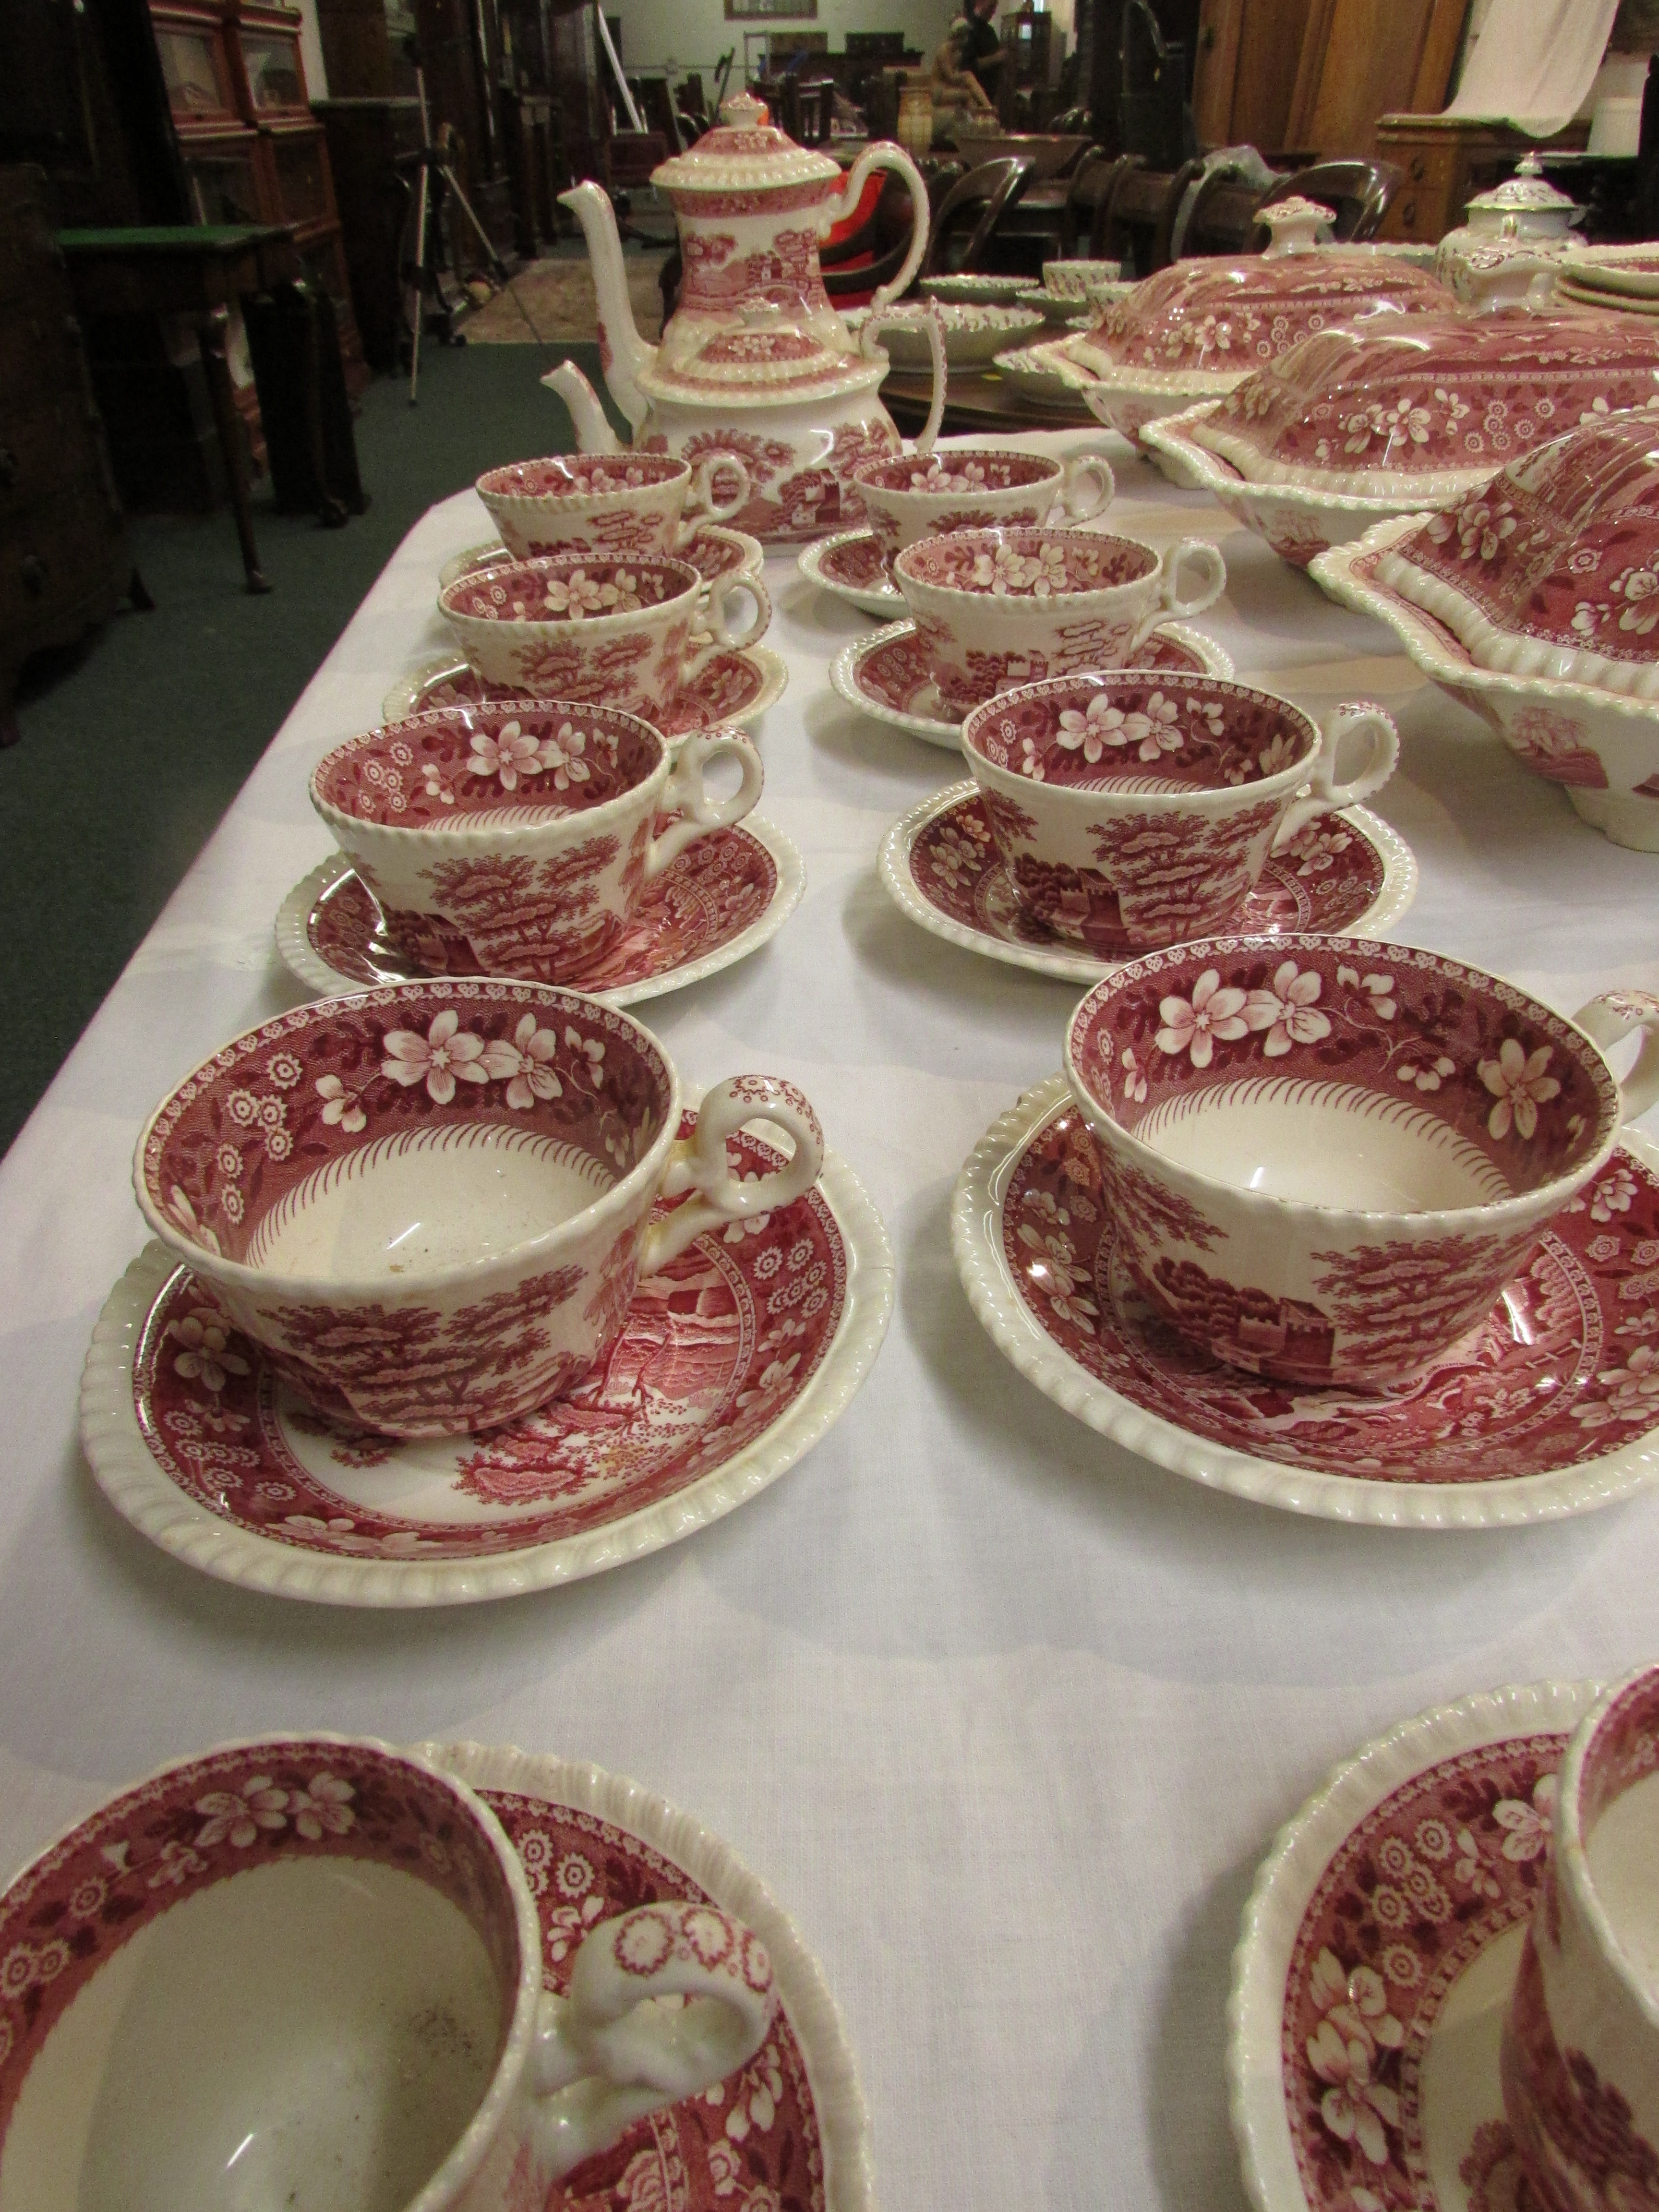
<point>982,54</point>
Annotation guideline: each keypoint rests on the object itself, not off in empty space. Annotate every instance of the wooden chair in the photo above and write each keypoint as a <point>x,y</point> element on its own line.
<point>809,109</point>
<point>982,197</point>
<point>1088,205</point>
<point>1358,191</point>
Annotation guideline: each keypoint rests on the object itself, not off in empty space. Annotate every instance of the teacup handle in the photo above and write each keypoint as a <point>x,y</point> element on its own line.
<point>1083,472</point>
<point>605,2056</point>
<point>1607,1020</point>
<point>699,1163</point>
<point>725,638</point>
<point>933,323</point>
<point>1172,603</point>
<point>703,491</point>
<point>686,795</point>
<point>1326,795</point>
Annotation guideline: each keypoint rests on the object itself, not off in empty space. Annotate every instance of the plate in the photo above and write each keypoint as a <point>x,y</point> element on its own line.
<point>1376,1957</point>
<point>968,291</point>
<point>1633,270</point>
<point>734,1362</point>
<point>736,685</point>
<point>886,675</point>
<point>1544,1411</point>
<point>850,566</point>
<point>719,901</point>
<point>972,334</point>
<point>1347,874</point>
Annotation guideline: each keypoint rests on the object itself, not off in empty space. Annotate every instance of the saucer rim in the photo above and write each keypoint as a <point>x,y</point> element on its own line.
<point>127,1473</point>
<point>1290,1874</point>
<point>807,563</point>
<point>406,696</point>
<point>754,555</point>
<point>307,965</point>
<point>1513,1501</point>
<point>1392,902</point>
<point>820,2031</point>
<point>1216,659</point>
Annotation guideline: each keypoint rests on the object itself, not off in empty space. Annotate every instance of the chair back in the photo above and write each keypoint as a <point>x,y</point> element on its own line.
<point>1358,191</point>
<point>981,197</point>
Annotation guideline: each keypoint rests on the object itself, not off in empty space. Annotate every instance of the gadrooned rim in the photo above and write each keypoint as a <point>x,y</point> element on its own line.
<point>672,467</point>
<point>585,625</point>
<point>1051,599</point>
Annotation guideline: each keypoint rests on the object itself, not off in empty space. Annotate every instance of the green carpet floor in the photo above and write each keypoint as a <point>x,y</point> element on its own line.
<point>133,751</point>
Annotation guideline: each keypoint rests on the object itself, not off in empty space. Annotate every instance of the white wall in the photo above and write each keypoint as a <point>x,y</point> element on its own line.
<point>311,50</point>
<point>694,34</point>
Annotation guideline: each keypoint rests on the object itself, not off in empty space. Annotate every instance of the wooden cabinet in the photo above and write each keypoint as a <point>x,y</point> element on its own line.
<point>1447,162</point>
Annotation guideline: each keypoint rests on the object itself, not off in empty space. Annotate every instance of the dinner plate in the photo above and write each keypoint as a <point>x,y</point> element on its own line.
<point>733,1361</point>
<point>1547,1410</point>
<point>1378,1953</point>
<point>719,901</point>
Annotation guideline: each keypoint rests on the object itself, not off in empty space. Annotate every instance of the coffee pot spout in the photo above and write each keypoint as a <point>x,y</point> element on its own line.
<point>622,352</point>
<point>593,432</point>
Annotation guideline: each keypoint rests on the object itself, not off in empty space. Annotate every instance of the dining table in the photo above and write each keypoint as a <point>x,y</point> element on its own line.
<point>1003,1715</point>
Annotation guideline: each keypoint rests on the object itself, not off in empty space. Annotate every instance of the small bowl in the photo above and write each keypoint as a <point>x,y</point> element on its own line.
<point>611,503</point>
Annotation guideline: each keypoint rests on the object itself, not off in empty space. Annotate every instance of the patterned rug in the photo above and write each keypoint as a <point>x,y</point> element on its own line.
<point>559,296</point>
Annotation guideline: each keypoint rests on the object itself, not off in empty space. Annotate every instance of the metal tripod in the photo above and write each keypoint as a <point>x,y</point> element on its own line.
<point>423,272</point>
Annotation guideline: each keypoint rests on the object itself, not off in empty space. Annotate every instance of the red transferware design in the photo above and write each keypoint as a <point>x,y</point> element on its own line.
<point>899,675</point>
<point>1563,1371</point>
<point>724,688</point>
<point>858,563</point>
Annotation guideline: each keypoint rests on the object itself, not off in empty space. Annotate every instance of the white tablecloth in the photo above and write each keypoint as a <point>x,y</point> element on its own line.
<point>1005,1717</point>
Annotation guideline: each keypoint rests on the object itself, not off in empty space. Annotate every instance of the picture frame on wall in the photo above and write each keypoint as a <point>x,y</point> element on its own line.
<point>739,11</point>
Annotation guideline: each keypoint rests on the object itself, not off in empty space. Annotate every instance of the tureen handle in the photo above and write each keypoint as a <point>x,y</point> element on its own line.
<point>884,154</point>
<point>930,320</point>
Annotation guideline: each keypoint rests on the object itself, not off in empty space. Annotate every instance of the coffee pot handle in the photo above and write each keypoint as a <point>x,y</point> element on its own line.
<point>699,1163</point>
<point>605,2056</point>
<point>884,154</point>
<point>1610,1018</point>
<point>930,320</point>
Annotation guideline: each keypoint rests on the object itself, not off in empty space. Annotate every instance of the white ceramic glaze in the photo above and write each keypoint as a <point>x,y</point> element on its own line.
<point>376,1904</point>
<point>978,488</point>
<point>609,503</point>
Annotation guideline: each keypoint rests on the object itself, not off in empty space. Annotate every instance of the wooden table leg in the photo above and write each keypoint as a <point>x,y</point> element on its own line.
<point>211,336</point>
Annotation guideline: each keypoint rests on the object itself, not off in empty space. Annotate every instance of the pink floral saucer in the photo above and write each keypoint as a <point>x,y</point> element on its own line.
<point>1346,874</point>
<point>734,686</point>
<point>1376,1961</point>
<point>720,901</point>
<point>713,552</point>
<point>792,2129</point>
<point>734,1359</point>
<point>1551,1407</point>
<point>887,675</point>
<point>851,567</point>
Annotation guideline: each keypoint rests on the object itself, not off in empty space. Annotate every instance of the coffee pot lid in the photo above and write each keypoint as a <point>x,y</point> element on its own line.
<point>744,152</point>
<point>1528,192</point>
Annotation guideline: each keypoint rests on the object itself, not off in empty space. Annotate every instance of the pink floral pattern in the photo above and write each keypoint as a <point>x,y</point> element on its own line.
<point>858,564</point>
<point>1025,563</point>
<point>899,674</point>
<point>578,476</point>
<point>710,1353</point>
<point>574,587</point>
<point>1198,732</point>
<point>722,691</point>
<point>1538,1388</point>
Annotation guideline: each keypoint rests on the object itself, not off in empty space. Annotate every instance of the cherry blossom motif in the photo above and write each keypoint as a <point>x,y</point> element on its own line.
<point>750,1224</point>
<point>1526,1827</point>
<point>1517,1081</point>
<point>564,754</point>
<point>1380,991</point>
<point>1135,1083</point>
<point>525,1064</point>
<point>446,1053</point>
<point>1279,753</point>
<point>1195,1026</point>
<point>1288,1012</point>
<point>437,786</point>
<point>957,855</point>
<point>1041,573</point>
<point>205,1358</point>
<point>1429,1078</point>
<point>340,1109</point>
<point>592,1052</point>
<point>1343,2053</point>
<point>238,1816</point>
<point>1315,850</point>
<point>177,1863</point>
<point>184,1214</point>
<point>1637,587</point>
<point>1469,1870</point>
<point>324,1804</point>
<point>580,595</point>
<point>1635,1386</point>
<point>1612,1194</point>
<point>513,753</point>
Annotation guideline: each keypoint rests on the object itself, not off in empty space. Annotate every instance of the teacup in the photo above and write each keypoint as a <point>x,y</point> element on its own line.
<point>1580,2054</point>
<point>307,1970</point>
<point>1136,809</point>
<point>518,839</point>
<point>429,1205</point>
<point>977,487</point>
<point>1325,1157</point>
<point>594,629</point>
<point>1075,280</point>
<point>999,607</point>
<point>622,504</point>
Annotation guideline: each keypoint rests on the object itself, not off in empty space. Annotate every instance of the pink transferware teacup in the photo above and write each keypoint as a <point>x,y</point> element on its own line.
<point>999,607</point>
<point>306,1970</point>
<point>595,628</point>
<point>977,487</point>
<point>623,504</point>
<point>1324,1157</point>
<point>430,1204</point>
<point>1136,810</point>
<point>1580,2054</point>
<point>518,839</point>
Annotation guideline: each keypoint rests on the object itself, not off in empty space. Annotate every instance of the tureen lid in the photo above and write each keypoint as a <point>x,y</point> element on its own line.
<point>1528,192</point>
<point>743,153</point>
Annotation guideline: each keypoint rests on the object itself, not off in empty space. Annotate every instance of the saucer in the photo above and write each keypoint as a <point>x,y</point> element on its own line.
<point>1346,874</point>
<point>593,1845</point>
<point>1545,1411</point>
<point>1042,375</point>
<point>1376,1961</point>
<point>721,900</point>
<point>714,552</point>
<point>733,1361</point>
<point>850,566</point>
<point>886,675</point>
<point>737,684</point>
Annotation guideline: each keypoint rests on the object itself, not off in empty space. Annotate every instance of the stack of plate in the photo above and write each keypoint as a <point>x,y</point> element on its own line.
<point>1625,276</point>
